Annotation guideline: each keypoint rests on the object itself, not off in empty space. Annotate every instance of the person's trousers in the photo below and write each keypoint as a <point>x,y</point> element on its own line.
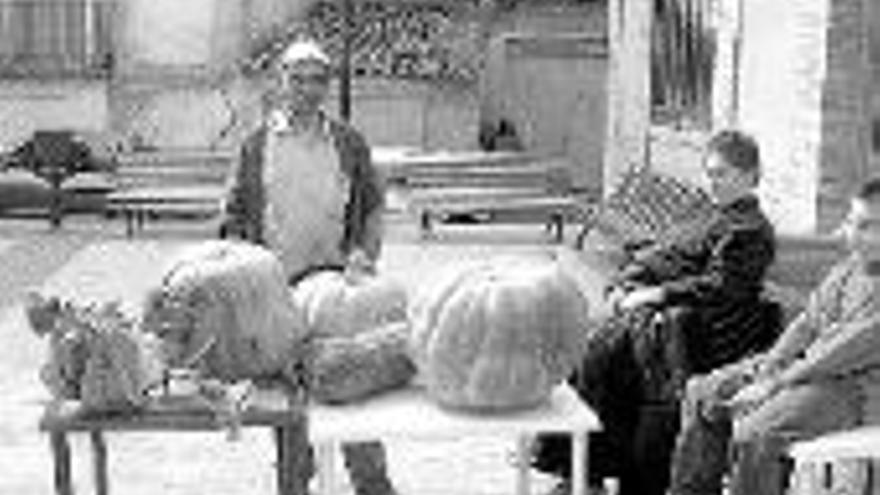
<point>367,468</point>
<point>752,445</point>
<point>365,462</point>
<point>610,381</point>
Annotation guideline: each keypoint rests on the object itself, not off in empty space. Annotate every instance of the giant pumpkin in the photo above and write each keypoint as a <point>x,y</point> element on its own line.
<point>224,307</point>
<point>499,335</point>
<point>342,304</point>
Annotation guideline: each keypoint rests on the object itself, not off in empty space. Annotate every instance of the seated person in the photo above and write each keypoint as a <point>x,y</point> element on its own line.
<point>703,280</point>
<point>811,381</point>
<point>306,188</point>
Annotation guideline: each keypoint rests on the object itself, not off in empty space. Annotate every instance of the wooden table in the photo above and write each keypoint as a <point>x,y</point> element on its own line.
<point>405,413</point>
<point>269,409</point>
<point>409,414</point>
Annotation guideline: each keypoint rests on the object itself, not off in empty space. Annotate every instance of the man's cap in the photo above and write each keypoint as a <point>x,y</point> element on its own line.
<point>301,51</point>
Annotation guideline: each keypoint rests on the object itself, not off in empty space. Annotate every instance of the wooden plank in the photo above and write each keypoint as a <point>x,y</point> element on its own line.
<point>266,408</point>
<point>556,46</point>
<point>499,204</point>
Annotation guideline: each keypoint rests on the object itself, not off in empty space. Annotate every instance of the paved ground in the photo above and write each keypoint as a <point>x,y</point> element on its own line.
<point>206,463</point>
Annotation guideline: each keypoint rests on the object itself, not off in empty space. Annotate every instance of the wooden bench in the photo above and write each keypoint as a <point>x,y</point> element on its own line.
<point>171,183</point>
<point>643,206</point>
<point>486,184</point>
<point>137,205</point>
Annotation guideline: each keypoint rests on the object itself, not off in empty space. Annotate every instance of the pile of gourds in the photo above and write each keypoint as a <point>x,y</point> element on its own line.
<point>493,336</point>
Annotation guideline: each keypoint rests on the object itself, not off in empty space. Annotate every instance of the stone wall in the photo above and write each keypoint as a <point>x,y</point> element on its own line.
<point>168,107</point>
<point>27,106</point>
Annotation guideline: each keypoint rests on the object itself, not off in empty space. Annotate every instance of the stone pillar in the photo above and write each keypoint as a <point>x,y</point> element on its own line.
<point>846,116</point>
<point>802,91</point>
<point>629,38</point>
<point>727,20</point>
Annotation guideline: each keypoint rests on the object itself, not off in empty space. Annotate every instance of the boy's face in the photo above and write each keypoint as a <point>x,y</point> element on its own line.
<point>725,182</point>
<point>862,228</point>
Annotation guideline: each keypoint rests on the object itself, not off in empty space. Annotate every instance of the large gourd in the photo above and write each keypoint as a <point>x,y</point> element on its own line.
<point>351,368</point>
<point>97,354</point>
<point>342,304</point>
<point>499,335</point>
<point>224,307</point>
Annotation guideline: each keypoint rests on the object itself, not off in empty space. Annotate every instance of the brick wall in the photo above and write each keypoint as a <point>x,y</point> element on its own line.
<point>28,106</point>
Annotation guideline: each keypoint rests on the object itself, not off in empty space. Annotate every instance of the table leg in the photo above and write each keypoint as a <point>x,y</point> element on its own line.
<point>61,458</point>
<point>293,461</point>
<point>129,222</point>
<point>99,453</point>
<point>523,478</point>
<point>425,224</point>
<point>580,462</point>
<point>326,464</point>
<point>141,218</point>
<point>558,221</point>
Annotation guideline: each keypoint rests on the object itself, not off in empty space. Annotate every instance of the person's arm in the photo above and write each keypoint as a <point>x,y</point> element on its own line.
<point>796,337</point>
<point>855,346</point>
<point>802,332</point>
<point>234,222</point>
<point>369,201</point>
<point>366,203</point>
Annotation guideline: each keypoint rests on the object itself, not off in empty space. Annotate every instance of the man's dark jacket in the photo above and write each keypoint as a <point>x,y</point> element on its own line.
<point>246,195</point>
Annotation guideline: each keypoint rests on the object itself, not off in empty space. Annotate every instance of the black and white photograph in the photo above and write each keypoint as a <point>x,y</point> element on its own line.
<point>440,247</point>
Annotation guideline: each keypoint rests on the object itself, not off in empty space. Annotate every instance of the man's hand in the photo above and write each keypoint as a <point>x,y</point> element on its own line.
<point>640,297</point>
<point>753,395</point>
<point>613,296</point>
<point>359,264</point>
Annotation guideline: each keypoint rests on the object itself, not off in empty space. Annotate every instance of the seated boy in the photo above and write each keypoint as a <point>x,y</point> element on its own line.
<point>811,381</point>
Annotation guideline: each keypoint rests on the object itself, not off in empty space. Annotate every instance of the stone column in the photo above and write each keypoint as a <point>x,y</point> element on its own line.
<point>846,116</point>
<point>629,38</point>
<point>803,88</point>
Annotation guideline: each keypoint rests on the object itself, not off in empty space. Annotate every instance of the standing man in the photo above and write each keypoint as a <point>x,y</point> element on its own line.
<point>305,187</point>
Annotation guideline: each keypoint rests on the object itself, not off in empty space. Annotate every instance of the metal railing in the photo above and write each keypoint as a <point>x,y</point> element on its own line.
<point>49,39</point>
<point>682,57</point>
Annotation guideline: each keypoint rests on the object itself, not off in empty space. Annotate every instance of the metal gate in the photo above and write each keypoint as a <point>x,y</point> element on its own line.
<point>683,49</point>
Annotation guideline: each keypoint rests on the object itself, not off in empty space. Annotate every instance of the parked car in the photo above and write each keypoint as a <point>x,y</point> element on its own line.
<point>74,162</point>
